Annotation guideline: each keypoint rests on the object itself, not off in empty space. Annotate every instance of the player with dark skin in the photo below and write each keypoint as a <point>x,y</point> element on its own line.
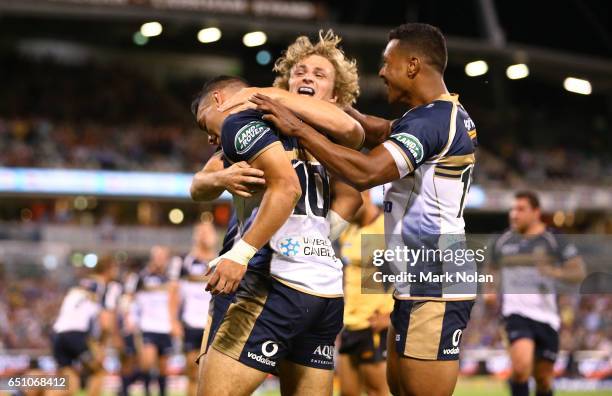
<point>413,80</point>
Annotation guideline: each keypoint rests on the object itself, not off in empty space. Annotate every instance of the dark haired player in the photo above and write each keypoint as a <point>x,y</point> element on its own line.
<point>531,259</point>
<point>288,307</point>
<point>427,155</point>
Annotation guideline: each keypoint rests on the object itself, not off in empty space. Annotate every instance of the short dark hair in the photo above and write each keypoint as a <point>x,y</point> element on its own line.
<point>427,39</point>
<point>211,85</point>
<point>530,196</point>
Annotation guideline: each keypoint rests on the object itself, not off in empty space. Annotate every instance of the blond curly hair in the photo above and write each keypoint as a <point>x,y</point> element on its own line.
<point>346,84</point>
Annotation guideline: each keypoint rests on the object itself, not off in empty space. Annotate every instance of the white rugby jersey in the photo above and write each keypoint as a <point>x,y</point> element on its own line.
<point>151,301</point>
<point>300,253</point>
<point>524,290</point>
<point>189,272</point>
<point>433,147</point>
<point>82,304</point>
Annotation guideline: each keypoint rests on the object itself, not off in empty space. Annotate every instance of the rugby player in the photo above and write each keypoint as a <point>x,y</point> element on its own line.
<point>530,259</point>
<point>149,289</point>
<point>188,303</point>
<point>428,158</point>
<point>363,342</point>
<point>86,322</point>
<point>321,71</point>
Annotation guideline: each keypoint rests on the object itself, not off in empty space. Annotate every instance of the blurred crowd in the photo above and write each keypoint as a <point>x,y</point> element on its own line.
<point>103,116</point>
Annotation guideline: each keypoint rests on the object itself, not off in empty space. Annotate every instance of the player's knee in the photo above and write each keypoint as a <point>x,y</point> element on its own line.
<point>521,373</point>
<point>543,382</point>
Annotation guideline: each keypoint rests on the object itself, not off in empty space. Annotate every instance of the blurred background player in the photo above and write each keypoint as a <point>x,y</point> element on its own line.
<point>531,260</point>
<point>86,322</point>
<point>189,301</point>
<point>131,340</point>
<point>363,341</point>
<point>151,299</point>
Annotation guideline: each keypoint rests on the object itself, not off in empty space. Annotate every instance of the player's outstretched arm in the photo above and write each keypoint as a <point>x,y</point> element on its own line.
<point>376,129</point>
<point>213,179</point>
<point>361,171</point>
<point>323,116</point>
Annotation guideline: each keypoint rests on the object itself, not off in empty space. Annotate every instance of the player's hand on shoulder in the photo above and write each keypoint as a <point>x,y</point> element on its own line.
<point>225,276</point>
<point>242,179</point>
<point>283,119</point>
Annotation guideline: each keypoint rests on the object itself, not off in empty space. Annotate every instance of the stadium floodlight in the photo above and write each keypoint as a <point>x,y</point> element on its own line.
<point>263,57</point>
<point>176,216</point>
<point>577,85</point>
<point>254,39</point>
<point>476,68</point>
<point>209,35</point>
<point>151,29</point>
<point>518,71</point>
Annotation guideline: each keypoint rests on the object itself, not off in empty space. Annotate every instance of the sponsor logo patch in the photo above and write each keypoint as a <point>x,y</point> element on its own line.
<point>456,339</point>
<point>412,144</point>
<point>248,135</point>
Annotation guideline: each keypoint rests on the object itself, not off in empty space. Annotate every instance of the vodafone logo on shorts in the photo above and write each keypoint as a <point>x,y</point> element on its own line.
<point>456,340</point>
<point>269,348</point>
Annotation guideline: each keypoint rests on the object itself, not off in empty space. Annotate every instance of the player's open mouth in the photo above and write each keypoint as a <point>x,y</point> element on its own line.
<point>306,91</point>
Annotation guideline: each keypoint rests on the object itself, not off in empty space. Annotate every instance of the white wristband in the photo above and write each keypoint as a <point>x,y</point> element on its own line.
<point>240,253</point>
<point>337,225</point>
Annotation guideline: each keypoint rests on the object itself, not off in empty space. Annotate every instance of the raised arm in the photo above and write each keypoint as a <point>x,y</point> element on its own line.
<point>213,179</point>
<point>361,171</point>
<point>326,117</point>
<point>376,129</point>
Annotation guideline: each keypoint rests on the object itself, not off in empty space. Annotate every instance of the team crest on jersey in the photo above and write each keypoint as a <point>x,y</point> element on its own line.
<point>248,135</point>
<point>412,144</point>
<point>289,247</point>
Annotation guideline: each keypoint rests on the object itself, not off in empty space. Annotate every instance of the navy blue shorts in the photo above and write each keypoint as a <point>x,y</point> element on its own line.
<point>267,321</point>
<point>364,346</point>
<point>129,345</point>
<point>161,341</point>
<point>69,347</point>
<point>192,339</point>
<point>546,338</point>
<point>430,330</point>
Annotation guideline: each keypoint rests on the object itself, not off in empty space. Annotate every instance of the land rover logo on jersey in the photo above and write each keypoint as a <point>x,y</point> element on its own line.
<point>248,135</point>
<point>412,144</point>
<point>267,350</point>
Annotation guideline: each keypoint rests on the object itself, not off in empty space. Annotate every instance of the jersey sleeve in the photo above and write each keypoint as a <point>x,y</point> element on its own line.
<point>412,143</point>
<point>244,136</point>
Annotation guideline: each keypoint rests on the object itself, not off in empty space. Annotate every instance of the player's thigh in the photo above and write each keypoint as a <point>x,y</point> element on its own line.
<point>392,362</point>
<point>299,380</point>
<point>428,377</point>
<point>348,374</point>
<point>147,356</point>
<point>522,353</point>
<point>374,378</point>
<point>223,376</point>
<point>191,368</point>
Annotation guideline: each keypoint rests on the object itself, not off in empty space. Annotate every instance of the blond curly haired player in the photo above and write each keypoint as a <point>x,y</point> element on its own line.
<point>286,321</point>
